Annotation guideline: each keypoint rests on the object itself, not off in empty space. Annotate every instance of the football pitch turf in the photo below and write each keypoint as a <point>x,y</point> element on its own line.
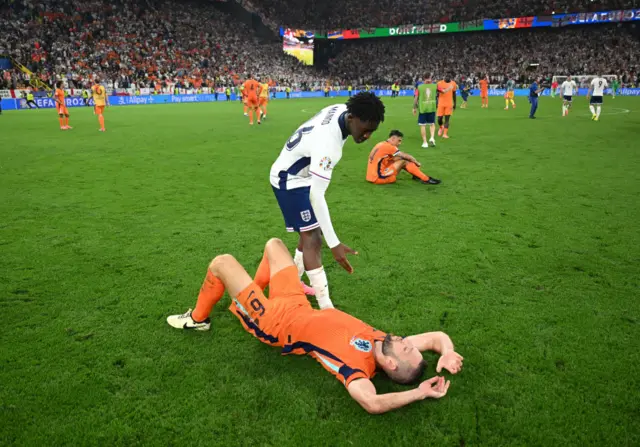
<point>527,255</point>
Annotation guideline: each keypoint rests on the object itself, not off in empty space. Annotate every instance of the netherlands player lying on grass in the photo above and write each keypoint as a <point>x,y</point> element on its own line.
<point>348,348</point>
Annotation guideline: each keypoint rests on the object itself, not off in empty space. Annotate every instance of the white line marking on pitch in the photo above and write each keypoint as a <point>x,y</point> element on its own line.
<point>606,112</point>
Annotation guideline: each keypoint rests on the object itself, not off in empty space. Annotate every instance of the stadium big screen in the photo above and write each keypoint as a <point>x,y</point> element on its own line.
<point>298,43</point>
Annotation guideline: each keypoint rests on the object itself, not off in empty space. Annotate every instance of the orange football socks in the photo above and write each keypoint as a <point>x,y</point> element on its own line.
<point>210,293</point>
<point>413,168</point>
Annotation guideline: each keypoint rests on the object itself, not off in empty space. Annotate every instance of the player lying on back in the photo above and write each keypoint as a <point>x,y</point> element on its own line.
<point>386,161</point>
<point>595,94</point>
<point>348,348</point>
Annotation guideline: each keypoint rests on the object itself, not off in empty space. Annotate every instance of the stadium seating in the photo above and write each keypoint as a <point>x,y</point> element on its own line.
<point>322,15</point>
<point>142,42</point>
<point>135,42</point>
<point>608,49</point>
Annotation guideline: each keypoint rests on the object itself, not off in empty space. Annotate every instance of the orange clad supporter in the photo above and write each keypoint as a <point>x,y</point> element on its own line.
<point>345,346</point>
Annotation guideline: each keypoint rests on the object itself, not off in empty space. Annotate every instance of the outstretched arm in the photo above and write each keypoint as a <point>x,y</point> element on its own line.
<point>364,392</point>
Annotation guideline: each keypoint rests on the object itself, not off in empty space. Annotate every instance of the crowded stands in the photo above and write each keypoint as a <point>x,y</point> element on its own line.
<point>136,43</point>
<point>321,15</point>
<point>147,43</point>
<point>608,49</point>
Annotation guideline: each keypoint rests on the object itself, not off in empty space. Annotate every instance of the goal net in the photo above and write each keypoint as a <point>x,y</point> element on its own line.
<point>583,81</point>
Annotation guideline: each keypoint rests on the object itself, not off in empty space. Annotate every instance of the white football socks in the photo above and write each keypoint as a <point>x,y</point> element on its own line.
<point>318,279</point>
<point>593,110</point>
<point>598,111</point>
<point>298,260</point>
<point>564,110</point>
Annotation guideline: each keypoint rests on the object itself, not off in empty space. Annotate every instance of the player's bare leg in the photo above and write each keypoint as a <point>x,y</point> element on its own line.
<point>277,255</point>
<point>311,242</point>
<point>224,272</point>
<point>432,131</point>
<point>298,260</point>
<point>446,126</point>
<point>423,134</point>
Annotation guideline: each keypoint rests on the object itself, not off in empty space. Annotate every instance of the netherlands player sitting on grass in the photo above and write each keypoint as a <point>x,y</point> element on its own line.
<point>386,161</point>
<point>348,348</point>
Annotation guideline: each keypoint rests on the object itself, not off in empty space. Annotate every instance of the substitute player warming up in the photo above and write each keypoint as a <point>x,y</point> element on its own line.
<point>386,161</point>
<point>302,173</point>
<point>345,346</point>
<point>424,103</point>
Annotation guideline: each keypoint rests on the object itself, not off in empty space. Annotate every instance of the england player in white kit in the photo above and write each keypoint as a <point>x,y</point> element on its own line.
<point>302,173</point>
<point>596,92</point>
<point>567,89</point>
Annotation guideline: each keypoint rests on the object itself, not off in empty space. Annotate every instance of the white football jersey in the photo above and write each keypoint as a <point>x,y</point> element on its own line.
<point>599,84</point>
<point>568,87</point>
<point>314,149</point>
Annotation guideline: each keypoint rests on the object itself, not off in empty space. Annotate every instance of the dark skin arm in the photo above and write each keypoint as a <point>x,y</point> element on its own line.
<point>455,97</point>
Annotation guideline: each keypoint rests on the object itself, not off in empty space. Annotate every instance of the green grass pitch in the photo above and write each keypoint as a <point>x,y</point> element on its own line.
<point>528,255</point>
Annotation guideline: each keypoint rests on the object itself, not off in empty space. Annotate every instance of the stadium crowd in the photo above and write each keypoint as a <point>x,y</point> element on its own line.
<point>319,15</point>
<point>585,50</point>
<point>136,43</point>
<point>145,43</point>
